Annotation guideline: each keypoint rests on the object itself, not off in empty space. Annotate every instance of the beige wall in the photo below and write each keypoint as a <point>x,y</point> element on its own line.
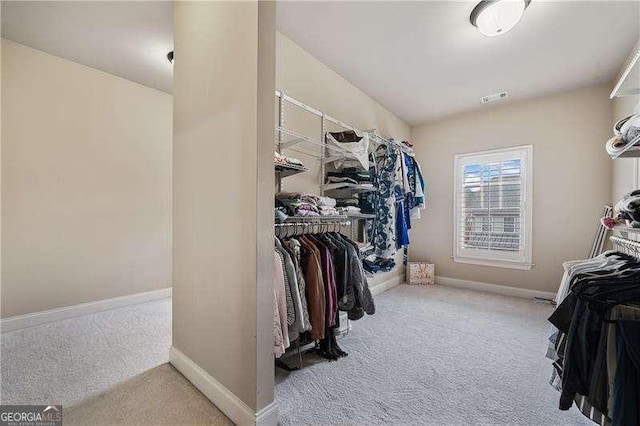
<point>571,172</point>
<point>303,77</point>
<point>222,193</point>
<point>86,160</point>
<point>626,171</point>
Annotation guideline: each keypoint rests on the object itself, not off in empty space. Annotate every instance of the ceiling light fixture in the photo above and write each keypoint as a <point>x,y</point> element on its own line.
<point>496,17</point>
<point>170,57</point>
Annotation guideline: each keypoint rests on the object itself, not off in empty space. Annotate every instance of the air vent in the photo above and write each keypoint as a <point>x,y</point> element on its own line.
<point>494,97</point>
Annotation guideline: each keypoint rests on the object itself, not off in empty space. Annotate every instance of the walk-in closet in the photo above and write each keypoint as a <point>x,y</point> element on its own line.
<point>320,213</point>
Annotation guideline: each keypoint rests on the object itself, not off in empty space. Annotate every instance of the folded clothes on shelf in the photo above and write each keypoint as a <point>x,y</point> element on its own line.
<point>346,202</point>
<point>298,204</point>
<point>327,201</point>
<point>625,131</point>
<point>341,179</point>
<point>628,128</point>
<point>356,175</point>
<point>625,212</point>
<point>328,211</point>
<point>348,210</point>
<point>280,214</point>
<point>281,160</point>
<point>616,144</point>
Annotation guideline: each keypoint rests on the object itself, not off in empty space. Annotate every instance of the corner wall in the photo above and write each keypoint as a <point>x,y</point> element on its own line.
<point>571,172</point>
<point>86,184</point>
<point>224,82</point>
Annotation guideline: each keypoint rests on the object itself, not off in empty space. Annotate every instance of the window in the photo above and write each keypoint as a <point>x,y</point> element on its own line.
<point>493,207</point>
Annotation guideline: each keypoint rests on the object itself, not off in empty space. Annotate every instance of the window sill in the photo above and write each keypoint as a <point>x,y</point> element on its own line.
<point>494,263</point>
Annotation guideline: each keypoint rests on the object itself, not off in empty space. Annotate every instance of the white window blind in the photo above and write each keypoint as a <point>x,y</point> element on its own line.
<point>493,207</point>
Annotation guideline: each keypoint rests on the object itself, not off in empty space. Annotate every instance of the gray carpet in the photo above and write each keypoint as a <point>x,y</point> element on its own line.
<point>433,355</point>
<point>159,397</point>
<point>66,362</point>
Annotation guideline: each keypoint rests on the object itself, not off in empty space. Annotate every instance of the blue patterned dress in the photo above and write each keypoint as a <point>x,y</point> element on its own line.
<point>386,175</point>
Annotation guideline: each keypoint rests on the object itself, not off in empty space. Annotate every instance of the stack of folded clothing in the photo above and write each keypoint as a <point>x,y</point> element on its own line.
<point>347,202</point>
<point>327,206</point>
<point>298,204</point>
<point>280,214</point>
<point>283,161</point>
<point>348,205</point>
<point>625,212</point>
<point>348,210</point>
<point>350,175</point>
<point>625,131</point>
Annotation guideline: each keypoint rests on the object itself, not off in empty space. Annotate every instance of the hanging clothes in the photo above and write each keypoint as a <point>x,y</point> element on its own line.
<point>583,346</point>
<point>385,175</point>
<point>281,330</point>
<point>357,146</point>
<point>325,275</point>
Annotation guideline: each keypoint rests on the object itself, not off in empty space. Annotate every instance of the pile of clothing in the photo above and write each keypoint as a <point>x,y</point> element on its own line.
<point>299,204</point>
<point>595,339</point>
<point>336,181</point>
<point>327,206</point>
<point>346,206</point>
<point>625,212</point>
<point>316,276</point>
<point>280,160</point>
<point>350,175</point>
<point>625,131</point>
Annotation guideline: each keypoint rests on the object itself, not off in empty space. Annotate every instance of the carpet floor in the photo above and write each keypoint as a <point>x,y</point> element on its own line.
<point>66,362</point>
<point>158,397</point>
<point>430,355</point>
<point>433,355</point>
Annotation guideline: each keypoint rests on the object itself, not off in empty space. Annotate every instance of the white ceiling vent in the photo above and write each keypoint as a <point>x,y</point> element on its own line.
<point>494,97</point>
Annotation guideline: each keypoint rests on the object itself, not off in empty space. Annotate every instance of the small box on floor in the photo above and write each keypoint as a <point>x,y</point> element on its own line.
<point>422,273</point>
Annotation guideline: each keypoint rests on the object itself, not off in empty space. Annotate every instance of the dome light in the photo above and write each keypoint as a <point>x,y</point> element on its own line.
<point>496,17</point>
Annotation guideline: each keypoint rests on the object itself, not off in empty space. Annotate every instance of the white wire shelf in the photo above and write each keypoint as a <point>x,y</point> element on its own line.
<point>625,153</point>
<point>348,186</point>
<point>627,230</point>
<point>361,215</point>
<point>312,219</point>
<point>629,82</point>
<point>300,138</point>
<point>287,170</point>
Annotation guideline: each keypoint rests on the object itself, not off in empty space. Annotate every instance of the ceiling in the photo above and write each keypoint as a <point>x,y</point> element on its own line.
<point>128,39</point>
<point>422,60</point>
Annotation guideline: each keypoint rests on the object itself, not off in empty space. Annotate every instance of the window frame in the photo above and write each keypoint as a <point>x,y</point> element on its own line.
<point>485,257</point>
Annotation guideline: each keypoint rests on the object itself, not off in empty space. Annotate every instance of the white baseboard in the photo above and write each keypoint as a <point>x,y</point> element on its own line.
<point>387,285</point>
<point>232,406</point>
<point>51,315</point>
<point>268,416</point>
<point>494,288</point>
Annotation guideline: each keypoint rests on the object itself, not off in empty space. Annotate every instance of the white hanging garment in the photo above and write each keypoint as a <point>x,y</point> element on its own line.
<point>358,150</point>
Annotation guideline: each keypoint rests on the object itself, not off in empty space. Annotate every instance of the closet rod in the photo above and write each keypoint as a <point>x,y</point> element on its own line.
<point>377,138</point>
<point>301,228</point>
